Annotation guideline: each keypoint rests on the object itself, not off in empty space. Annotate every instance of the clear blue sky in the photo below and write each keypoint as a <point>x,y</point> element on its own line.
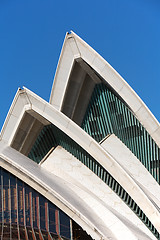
<point>125,32</point>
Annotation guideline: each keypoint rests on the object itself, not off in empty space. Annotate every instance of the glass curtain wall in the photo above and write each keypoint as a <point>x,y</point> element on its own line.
<point>26,214</point>
<point>57,137</point>
<point>107,114</point>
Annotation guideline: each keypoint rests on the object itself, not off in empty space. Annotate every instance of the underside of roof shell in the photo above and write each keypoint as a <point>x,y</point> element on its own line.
<point>80,68</point>
<point>77,52</point>
<point>26,101</point>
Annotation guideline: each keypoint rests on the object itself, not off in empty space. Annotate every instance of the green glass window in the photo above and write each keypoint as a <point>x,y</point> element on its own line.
<point>107,113</point>
<point>72,147</point>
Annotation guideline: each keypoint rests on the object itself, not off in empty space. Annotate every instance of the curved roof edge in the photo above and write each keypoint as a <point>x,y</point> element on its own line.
<point>53,188</point>
<point>25,100</point>
<point>74,47</point>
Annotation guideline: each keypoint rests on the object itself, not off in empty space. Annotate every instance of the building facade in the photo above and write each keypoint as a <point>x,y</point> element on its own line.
<point>86,164</point>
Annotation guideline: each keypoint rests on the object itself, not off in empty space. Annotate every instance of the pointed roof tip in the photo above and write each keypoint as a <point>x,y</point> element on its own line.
<point>81,49</point>
<point>71,32</point>
<point>68,35</point>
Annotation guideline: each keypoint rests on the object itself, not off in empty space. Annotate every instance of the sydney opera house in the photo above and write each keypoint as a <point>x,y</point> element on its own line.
<point>86,164</point>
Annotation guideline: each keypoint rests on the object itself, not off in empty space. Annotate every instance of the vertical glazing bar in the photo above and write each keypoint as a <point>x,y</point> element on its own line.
<point>112,112</point>
<point>37,213</point>
<point>47,220</point>
<point>105,118</point>
<point>71,230</point>
<point>31,214</point>
<point>97,127</point>
<point>31,211</point>
<point>148,152</point>
<point>127,138</point>
<point>145,148</point>
<point>140,142</point>
<point>153,162</point>
<point>129,127</point>
<point>119,120</point>
<point>38,217</point>
<point>46,215</point>
<point>57,221</point>
<point>158,159</point>
<point>154,158</point>
<point>24,213</point>
<point>136,138</point>
<point>132,134</point>
<point>2,203</point>
<point>9,207</point>
<point>17,209</point>
<point>143,144</point>
<point>100,116</point>
<point>105,112</point>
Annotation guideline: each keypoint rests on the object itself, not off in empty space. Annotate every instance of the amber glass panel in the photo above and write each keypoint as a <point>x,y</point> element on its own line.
<point>1,187</point>
<point>34,209</point>
<point>20,203</point>
<point>25,214</point>
<point>27,206</point>
<point>6,197</point>
<point>13,189</point>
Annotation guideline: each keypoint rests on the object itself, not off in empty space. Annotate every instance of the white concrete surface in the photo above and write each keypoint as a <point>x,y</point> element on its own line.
<point>52,187</point>
<point>63,179</point>
<point>33,103</point>
<point>133,166</point>
<point>84,206</point>
<point>73,48</point>
<point>96,194</point>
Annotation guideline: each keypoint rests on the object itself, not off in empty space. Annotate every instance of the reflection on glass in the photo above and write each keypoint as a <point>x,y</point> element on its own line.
<point>42,213</point>
<point>6,197</point>
<point>52,225</point>
<point>20,202</point>
<point>13,199</point>
<point>29,213</point>
<point>64,225</point>
<point>27,207</point>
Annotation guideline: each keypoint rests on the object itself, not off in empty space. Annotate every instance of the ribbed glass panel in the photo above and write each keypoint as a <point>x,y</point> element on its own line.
<point>71,146</point>
<point>26,213</point>
<point>106,114</point>
<point>43,144</point>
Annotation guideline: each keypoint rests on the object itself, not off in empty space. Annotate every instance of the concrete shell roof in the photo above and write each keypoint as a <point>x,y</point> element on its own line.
<point>54,188</point>
<point>25,100</point>
<point>73,48</point>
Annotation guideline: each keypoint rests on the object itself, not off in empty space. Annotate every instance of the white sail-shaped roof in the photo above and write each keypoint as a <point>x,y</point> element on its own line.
<point>62,177</point>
